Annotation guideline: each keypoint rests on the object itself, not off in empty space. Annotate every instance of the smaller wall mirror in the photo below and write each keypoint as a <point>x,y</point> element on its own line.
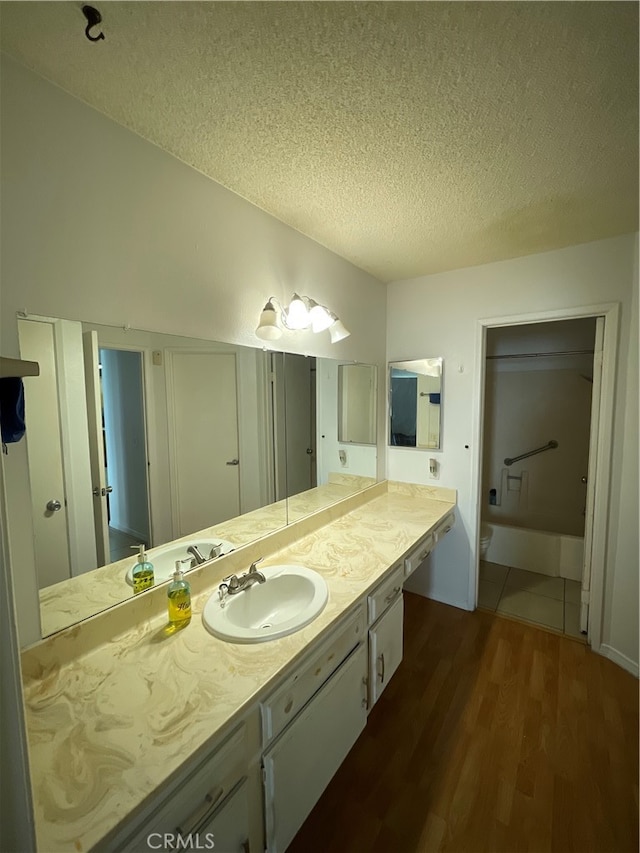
<point>357,389</point>
<point>415,403</point>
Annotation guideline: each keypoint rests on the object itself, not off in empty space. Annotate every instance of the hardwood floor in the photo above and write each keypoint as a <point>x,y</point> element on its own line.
<point>492,736</point>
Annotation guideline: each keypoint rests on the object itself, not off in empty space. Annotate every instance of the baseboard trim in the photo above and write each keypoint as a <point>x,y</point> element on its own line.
<point>135,533</point>
<point>620,659</point>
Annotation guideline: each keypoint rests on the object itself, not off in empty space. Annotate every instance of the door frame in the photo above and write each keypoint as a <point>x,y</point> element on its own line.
<point>610,311</point>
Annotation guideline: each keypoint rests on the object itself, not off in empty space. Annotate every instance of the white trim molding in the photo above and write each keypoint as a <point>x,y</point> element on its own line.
<point>618,658</point>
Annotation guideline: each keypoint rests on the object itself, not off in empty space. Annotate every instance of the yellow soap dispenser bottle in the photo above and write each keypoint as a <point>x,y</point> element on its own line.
<point>142,574</point>
<point>179,598</point>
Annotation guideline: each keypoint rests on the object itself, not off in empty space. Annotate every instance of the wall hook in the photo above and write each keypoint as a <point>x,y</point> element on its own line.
<point>93,18</point>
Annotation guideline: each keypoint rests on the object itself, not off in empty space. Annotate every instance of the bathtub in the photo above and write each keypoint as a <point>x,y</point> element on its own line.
<point>554,554</point>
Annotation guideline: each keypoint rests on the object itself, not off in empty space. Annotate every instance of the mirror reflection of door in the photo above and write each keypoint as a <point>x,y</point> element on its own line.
<point>203,447</point>
<point>300,420</point>
<point>44,447</point>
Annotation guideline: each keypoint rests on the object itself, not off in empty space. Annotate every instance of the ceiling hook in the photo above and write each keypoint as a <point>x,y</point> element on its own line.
<point>93,17</point>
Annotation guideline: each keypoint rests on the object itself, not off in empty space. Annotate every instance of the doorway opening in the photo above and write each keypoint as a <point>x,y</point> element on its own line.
<point>539,383</point>
<point>125,450</point>
<point>542,499</point>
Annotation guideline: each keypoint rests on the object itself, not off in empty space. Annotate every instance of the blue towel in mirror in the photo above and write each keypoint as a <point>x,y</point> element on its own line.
<point>12,409</point>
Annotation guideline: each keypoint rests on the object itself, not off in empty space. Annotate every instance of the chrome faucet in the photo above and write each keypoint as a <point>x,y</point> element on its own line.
<point>198,559</point>
<point>234,584</point>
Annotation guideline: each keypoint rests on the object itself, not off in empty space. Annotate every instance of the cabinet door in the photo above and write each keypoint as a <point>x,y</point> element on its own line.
<point>385,649</point>
<point>227,830</point>
<point>301,762</point>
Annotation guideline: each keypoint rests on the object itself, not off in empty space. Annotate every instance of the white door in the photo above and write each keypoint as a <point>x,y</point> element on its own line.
<point>203,439</point>
<point>300,430</point>
<point>591,476</point>
<point>96,446</point>
<point>304,758</point>
<point>428,413</point>
<point>385,649</point>
<point>44,446</point>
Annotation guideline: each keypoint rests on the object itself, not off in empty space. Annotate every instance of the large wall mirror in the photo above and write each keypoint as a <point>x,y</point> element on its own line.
<point>138,437</point>
<point>415,403</point>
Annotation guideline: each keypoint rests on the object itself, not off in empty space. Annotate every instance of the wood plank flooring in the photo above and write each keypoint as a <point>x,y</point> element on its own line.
<point>492,736</point>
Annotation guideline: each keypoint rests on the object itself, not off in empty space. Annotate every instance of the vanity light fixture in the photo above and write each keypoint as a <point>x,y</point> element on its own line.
<point>301,313</point>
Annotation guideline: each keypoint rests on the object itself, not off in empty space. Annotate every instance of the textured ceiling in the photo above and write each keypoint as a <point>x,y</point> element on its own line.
<point>407,137</point>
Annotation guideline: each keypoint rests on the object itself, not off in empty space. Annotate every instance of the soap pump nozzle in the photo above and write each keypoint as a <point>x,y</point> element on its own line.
<point>142,554</point>
<point>178,573</point>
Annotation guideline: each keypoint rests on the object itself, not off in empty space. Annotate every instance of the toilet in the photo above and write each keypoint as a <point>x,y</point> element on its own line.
<point>485,540</point>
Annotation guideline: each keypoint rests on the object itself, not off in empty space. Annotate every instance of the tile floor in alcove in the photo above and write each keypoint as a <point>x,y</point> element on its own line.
<point>121,545</point>
<point>540,599</point>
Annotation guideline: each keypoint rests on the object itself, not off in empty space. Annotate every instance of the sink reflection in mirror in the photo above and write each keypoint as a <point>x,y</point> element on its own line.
<point>291,597</point>
<point>164,559</point>
<point>134,461</point>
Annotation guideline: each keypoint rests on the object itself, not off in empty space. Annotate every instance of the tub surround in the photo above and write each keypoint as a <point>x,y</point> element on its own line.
<point>115,707</point>
<point>70,601</point>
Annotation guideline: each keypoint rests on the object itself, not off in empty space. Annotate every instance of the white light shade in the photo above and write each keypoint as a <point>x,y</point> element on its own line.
<point>297,314</point>
<point>268,328</point>
<point>338,332</point>
<point>320,318</point>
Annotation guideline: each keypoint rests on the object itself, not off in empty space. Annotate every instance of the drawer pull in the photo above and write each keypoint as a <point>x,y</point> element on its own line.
<point>394,592</point>
<point>446,530</point>
<point>424,555</point>
<point>194,819</point>
<point>381,659</point>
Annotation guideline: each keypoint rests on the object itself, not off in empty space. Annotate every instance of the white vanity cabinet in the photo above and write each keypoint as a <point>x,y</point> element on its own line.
<point>386,612</point>
<point>302,758</point>
<point>420,553</point>
<point>216,804</point>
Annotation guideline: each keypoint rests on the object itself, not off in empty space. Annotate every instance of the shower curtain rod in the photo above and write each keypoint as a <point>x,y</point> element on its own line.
<point>543,354</point>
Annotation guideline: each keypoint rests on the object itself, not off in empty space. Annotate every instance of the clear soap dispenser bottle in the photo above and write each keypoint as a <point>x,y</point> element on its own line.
<point>179,598</point>
<point>142,574</point>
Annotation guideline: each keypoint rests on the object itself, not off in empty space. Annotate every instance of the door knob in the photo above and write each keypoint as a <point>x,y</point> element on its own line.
<point>108,490</point>
<point>233,462</point>
<point>583,479</point>
<point>309,451</point>
<point>54,506</point>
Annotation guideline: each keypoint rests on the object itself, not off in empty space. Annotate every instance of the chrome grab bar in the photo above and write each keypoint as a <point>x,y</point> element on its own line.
<point>550,446</point>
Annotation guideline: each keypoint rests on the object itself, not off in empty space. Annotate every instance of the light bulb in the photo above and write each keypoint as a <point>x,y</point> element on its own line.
<point>338,331</point>
<point>297,314</point>
<point>268,328</point>
<point>321,319</point>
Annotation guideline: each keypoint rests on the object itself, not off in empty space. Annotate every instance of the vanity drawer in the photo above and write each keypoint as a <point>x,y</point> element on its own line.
<point>418,555</point>
<point>183,810</point>
<point>444,527</point>
<point>384,594</point>
<point>279,709</point>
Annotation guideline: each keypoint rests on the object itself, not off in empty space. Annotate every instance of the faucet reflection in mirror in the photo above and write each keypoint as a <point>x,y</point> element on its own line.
<point>301,313</point>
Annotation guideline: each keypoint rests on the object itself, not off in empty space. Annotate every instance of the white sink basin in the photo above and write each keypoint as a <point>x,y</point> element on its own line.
<point>164,558</point>
<point>291,597</point>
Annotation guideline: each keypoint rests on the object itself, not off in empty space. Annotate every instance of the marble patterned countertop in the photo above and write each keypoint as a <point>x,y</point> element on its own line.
<point>114,706</point>
<point>65,603</point>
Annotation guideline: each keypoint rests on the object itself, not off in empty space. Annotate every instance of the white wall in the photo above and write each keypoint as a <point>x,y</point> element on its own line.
<point>438,315</point>
<point>525,409</point>
<point>101,226</point>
